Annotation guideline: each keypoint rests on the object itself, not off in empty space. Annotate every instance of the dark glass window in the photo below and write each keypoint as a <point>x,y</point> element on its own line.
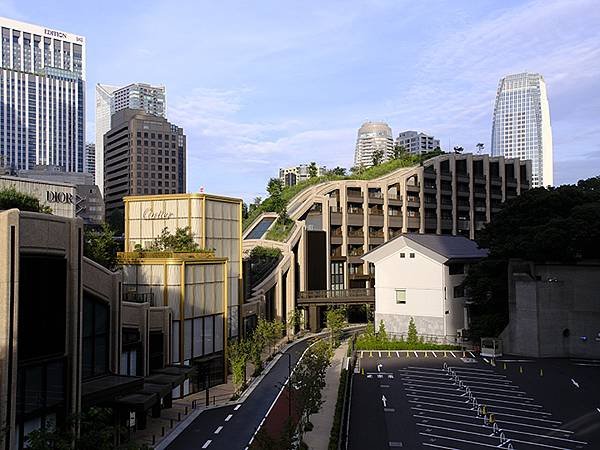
<point>456,269</point>
<point>96,324</point>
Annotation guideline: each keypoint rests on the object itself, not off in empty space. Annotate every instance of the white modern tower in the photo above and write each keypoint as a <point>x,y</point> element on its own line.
<point>373,136</point>
<point>42,97</point>
<point>521,125</point>
<point>110,99</point>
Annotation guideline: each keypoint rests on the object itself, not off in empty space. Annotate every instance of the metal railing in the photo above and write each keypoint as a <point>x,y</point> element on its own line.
<point>338,294</point>
<point>139,297</point>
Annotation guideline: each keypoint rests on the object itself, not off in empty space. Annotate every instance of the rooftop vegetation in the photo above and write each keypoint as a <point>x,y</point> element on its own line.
<point>280,196</point>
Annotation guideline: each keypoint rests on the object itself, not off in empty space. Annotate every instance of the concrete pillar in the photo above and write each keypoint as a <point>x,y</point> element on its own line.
<point>313,318</point>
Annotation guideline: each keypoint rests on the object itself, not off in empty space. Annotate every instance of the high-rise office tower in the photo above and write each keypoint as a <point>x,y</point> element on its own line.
<point>90,159</point>
<point>373,137</point>
<point>290,176</point>
<point>42,85</point>
<point>145,154</point>
<point>110,99</point>
<point>416,142</point>
<point>521,126</point>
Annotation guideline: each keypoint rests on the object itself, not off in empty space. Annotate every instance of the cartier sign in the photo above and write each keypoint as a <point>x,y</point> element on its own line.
<point>152,215</point>
<point>59,197</point>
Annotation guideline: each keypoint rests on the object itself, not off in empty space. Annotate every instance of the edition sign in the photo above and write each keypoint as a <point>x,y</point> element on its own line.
<point>148,214</point>
<point>59,197</point>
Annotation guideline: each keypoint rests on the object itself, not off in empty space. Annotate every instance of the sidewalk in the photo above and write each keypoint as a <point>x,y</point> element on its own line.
<point>318,438</point>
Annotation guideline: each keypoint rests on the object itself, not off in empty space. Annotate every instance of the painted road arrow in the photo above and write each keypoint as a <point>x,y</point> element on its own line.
<point>384,401</point>
<point>379,366</point>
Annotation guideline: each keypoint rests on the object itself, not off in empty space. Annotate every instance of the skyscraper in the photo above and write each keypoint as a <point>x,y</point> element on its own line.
<point>110,99</point>
<point>42,85</point>
<point>90,159</point>
<point>521,125</point>
<point>373,137</point>
<point>145,154</point>
<point>416,142</point>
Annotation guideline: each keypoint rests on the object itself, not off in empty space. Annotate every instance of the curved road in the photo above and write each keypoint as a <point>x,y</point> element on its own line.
<point>228,428</point>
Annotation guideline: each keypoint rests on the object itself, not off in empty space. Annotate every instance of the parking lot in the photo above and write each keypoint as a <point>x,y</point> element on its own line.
<point>458,400</point>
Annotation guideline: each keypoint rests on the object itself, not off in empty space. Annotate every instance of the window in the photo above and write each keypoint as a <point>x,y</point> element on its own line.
<point>337,276</point>
<point>400,296</point>
<point>96,323</point>
<point>402,255</point>
<point>459,291</point>
<point>412,255</point>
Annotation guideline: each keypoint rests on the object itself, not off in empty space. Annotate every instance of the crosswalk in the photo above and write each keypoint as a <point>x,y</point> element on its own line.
<point>418,354</point>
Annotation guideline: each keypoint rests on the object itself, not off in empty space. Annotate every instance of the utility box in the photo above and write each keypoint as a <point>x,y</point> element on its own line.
<point>491,347</point>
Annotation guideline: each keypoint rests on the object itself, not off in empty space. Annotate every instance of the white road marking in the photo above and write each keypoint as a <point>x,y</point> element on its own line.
<point>384,401</point>
<point>489,405</point>
<point>398,354</point>
<point>237,407</point>
<point>228,418</point>
<point>206,444</point>
<point>486,435</point>
<point>452,353</point>
<point>379,354</point>
<point>575,383</point>
<point>434,355</point>
<point>218,430</point>
<point>495,413</point>
<point>416,354</point>
<point>473,355</point>
<point>439,419</point>
<point>379,366</point>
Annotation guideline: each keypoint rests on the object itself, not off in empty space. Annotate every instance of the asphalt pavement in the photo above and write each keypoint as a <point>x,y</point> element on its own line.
<point>451,400</point>
<point>232,427</point>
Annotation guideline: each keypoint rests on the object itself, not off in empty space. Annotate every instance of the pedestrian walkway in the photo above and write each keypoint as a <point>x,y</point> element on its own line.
<point>318,438</point>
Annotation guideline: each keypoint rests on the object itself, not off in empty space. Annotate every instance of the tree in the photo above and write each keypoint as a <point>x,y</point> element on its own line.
<point>556,224</point>
<point>480,147</point>
<point>308,380</point>
<point>313,170</point>
<point>238,354</point>
<point>275,190</point>
<point>413,336</point>
<point>181,241</point>
<point>295,320</point>
<point>11,198</point>
<point>377,157</point>
<point>255,204</point>
<point>357,169</point>
<point>457,149</point>
<point>100,246</point>
<point>336,320</point>
<point>338,171</point>
<point>399,151</point>
<point>244,210</point>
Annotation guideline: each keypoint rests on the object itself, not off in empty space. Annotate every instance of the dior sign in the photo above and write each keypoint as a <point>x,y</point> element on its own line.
<point>58,197</point>
<point>148,214</point>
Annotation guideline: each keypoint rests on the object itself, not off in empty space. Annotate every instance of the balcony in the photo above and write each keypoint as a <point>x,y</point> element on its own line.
<point>336,254</point>
<point>376,197</point>
<point>392,233</point>
<point>356,233</point>
<point>344,296</point>
<point>354,195</point>
<point>139,297</point>
<point>376,234</point>
<point>356,252</point>
<point>413,222</point>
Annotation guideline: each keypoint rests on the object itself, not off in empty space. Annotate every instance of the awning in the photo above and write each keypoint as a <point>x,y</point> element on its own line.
<point>108,388</point>
<point>137,401</point>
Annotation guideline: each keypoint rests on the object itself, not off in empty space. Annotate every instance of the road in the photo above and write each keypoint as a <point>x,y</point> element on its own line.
<point>231,427</point>
<point>436,401</point>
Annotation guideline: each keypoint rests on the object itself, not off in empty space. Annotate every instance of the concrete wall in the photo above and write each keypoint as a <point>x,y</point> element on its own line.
<point>39,189</point>
<point>554,310</point>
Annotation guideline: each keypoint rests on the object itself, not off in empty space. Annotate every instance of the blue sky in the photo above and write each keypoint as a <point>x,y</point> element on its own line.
<point>262,84</point>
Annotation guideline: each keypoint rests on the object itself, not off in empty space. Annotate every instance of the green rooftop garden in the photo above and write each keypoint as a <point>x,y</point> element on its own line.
<point>280,196</point>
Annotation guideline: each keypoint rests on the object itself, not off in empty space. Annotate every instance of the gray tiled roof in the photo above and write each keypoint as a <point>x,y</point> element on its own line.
<point>452,247</point>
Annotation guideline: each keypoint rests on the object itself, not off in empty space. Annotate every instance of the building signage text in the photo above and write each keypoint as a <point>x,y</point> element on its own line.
<point>59,197</point>
<point>148,214</point>
<point>58,34</point>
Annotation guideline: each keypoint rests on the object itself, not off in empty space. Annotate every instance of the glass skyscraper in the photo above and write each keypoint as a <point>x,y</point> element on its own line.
<point>42,97</point>
<point>521,125</point>
<point>110,99</point>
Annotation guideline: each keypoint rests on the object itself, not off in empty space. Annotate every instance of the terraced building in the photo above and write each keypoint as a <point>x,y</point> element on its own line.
<point>336,222</point>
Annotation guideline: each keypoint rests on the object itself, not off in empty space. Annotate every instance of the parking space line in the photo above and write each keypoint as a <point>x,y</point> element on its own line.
<point>218,430</point>
<point>439,446</point>
<point>516,416</point>
<point>450,383</point>
<point>490,405</point>
<point>439,419</point>
<point>472,355</point>
<point>457,439</point>
<point>206,444</point>
<point>452,353</point>
<point>488,436</point>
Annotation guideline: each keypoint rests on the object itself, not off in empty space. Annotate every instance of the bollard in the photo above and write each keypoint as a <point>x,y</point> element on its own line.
<point>186,410</point>
<point>492,418</point>
<point>541,372</point>
<point>502,437</point>
<point>504,364</point>
<point>484,411</point>
<point>171,421</point>
<point>178,417</point>
<point>370,354</point>
<point>520,369</point>
<point>464,354</point>
<point>444,356</point>
<point>214,400</point>
<point>425,354</point>
<point>162,432</point>
<point>389,354</point>
<point>407,355</point>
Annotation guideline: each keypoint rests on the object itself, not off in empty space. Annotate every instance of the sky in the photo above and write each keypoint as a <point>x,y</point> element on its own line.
<point>259,85</point>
